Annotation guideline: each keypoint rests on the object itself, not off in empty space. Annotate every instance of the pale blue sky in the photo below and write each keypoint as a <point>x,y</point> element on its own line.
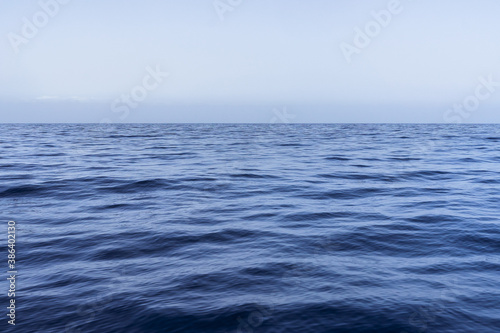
<point>264,55</point>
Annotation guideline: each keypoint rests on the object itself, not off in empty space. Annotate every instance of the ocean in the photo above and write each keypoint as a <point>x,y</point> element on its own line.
<point>249,228</point>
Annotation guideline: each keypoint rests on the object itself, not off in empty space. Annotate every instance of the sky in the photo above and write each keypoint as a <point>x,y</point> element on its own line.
<point>250,61</point>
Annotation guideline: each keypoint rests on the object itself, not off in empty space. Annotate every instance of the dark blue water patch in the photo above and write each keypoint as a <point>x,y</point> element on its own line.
<point>21,176</point>
<point>116,206</point>
<point>259,216</point>
<point>360,176</point>
<point>479,243</point>
<point>337,158</point>
<point>334,215</point>
<point>344,195</point>
<point>433,219</point>
<point>361,166</point>
<point>115,136</point>
<point>488,181</point>
<point>404,159</point>
<point>423,191</point>
<point>425,204</point>
<point>171,156</point>
<point>468,160</point>
<point>427,175</point>
<point>444,268</point>
<point>252,176</point>
<point>140,185</point>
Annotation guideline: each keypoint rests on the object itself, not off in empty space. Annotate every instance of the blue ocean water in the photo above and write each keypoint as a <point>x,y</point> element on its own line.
<point>253,228</point>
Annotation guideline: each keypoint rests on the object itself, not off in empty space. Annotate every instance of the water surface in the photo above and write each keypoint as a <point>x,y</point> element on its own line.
<point>254,228</point>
